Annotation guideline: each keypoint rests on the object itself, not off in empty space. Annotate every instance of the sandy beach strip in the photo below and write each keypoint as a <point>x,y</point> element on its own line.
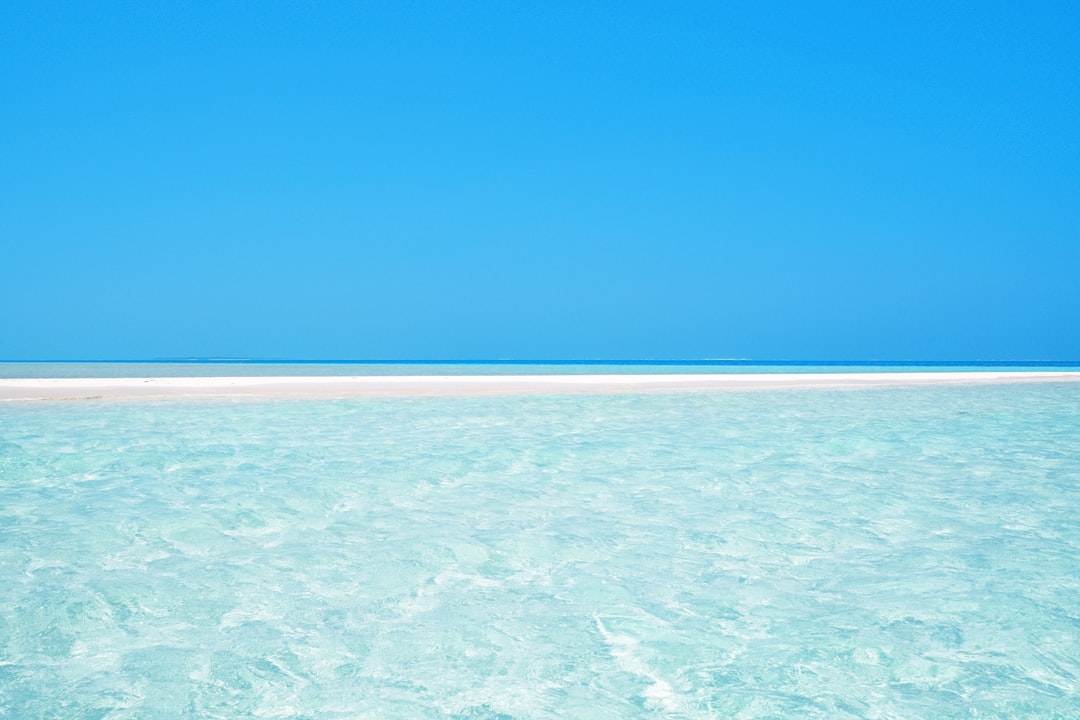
<point>38,389</point>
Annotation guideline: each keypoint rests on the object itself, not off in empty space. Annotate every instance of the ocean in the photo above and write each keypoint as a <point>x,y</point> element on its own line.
<point>911,552</point>
<point>258,368</point>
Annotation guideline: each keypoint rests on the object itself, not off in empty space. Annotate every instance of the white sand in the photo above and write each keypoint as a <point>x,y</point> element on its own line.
<point>398,385</point>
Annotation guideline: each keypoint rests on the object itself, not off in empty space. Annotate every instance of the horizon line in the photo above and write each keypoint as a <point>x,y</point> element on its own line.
<point>534,361</point>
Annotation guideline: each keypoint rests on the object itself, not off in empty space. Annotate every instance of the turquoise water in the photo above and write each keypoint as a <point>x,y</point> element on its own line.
<point>901,553</point>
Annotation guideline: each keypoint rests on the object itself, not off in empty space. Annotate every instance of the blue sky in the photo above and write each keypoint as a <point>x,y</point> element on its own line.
<point>540,180</point>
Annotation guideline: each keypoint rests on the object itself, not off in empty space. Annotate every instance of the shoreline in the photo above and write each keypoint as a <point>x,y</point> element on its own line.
<point>329,387</point>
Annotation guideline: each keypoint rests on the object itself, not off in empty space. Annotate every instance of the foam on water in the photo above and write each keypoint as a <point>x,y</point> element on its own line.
<point>912,552</point>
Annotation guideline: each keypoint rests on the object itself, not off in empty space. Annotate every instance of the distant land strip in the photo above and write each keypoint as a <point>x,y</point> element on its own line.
<point>39,389</point>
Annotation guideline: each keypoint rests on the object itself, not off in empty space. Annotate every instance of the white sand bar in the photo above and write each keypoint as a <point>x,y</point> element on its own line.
<point>461,385</point>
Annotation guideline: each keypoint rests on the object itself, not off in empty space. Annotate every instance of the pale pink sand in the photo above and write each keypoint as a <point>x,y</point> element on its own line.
<point>369,386</point>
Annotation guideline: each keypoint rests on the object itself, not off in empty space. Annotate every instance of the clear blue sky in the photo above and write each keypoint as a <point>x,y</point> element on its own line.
<point>540,180</point>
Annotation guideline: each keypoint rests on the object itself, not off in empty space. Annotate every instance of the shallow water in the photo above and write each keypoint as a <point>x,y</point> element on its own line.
<point>912,552</point>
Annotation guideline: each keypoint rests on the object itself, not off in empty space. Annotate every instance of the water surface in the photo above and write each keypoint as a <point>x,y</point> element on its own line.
<point>248,368</point>
<point>910,552</point>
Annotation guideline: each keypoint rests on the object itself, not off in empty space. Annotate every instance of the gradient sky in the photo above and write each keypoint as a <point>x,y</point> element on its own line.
<point>412,180</point>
